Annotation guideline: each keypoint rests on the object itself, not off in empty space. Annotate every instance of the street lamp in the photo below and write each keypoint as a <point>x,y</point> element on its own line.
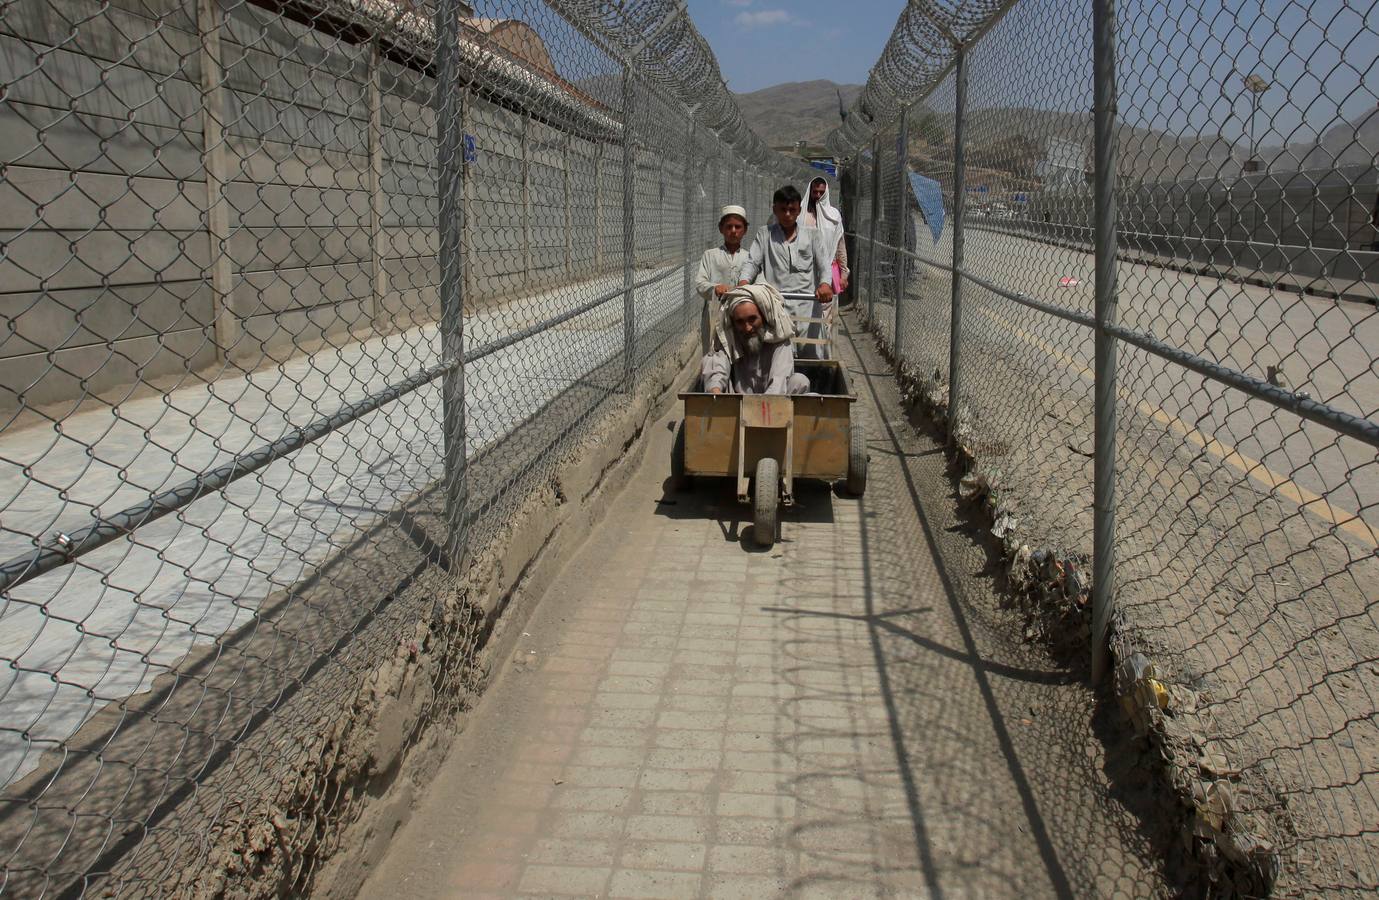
<point>1256,86</point>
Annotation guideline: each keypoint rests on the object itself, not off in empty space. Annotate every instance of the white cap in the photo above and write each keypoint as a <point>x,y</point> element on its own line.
<point>732,210</point>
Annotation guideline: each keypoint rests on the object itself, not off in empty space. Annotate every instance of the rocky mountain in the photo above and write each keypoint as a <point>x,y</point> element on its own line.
<point>1347,143</point>
<point>1017,138</point>
<point>796,111</point>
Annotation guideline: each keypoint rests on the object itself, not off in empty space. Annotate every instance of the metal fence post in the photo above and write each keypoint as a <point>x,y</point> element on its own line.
<point>377,199</point>
<point>687,219</point>
<point>568,208</point>
<point>466,196</point>
<point>450,90</point>
<point>959,214</point>
<point>875,216</point>
<point>226,326</point>
<point>902,153</point>
<point>1104,460</point>
<point>526,199</point>
<point>662,219</point>
<point>629,237</point>
<point>598,208</point>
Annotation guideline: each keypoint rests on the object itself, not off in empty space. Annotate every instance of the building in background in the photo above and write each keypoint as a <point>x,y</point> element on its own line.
<point>1064,164</point>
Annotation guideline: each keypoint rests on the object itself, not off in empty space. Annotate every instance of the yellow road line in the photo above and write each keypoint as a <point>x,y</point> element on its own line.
<point>1254,469</point>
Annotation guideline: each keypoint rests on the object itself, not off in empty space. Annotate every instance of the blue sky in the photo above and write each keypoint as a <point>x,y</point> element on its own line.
<point>1181,64</point>
<point>748,36</point>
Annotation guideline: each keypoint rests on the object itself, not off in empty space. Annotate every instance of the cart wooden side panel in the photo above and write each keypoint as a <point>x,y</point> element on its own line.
<point>821,436</point>
<point>711,434</point>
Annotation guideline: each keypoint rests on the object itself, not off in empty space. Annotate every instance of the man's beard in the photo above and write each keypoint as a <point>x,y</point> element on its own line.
<point>750,345</point>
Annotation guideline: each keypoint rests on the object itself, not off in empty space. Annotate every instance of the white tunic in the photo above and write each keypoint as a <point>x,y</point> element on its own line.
<point>799,266</point>
<point>718,266</point>
<point>796,266</point>
<point>772,371</point>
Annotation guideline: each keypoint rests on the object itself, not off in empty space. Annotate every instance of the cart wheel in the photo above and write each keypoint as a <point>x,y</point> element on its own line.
<point>857,460</point>
<point>678,479</point>
<point>766,502</point>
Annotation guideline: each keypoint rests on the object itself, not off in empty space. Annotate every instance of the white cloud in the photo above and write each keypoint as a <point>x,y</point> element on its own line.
<point>762,18</point>
<point>739,2</point>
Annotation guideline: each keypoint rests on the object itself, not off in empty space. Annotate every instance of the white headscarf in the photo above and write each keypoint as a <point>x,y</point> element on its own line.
<point>827,220</point>
<point>777,326</point>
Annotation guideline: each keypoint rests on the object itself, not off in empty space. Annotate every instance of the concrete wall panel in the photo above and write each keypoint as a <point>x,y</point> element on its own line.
<point>71,373</point>
<point>259,293</point>
<point>43,137</point>
<point>34,260</point>
<point>58,198</point>
<point>270,248</point>
<point>84,316</point>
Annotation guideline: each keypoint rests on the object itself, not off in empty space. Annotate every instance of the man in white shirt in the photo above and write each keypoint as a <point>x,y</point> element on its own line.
<point>792,257</point>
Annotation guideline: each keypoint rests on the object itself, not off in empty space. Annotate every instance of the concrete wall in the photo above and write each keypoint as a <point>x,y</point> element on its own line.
<point>1330,209</point>
<point>1351,274</point>
<point>103,200</point>
<point>241,188</point>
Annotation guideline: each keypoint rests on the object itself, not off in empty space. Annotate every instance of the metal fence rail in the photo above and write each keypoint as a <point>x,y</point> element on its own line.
<point>1149,305</point>
<point>303,300</point>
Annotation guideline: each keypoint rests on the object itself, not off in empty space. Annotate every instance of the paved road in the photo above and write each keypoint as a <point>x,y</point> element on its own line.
<point>104,628</point>
<point>848,715</point>
<point>1325,347</point>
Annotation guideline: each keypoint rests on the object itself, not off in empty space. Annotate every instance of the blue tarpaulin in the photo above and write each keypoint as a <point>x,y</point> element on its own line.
<point>929,196</point>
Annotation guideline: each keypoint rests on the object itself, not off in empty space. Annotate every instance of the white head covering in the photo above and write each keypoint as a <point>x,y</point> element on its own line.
<point>827,219</point>
<point>732,209</point>
<point>777,326</point>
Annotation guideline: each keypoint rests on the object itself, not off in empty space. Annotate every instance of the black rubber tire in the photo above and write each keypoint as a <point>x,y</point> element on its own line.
<point>678,479</point>
<point>857,460</point>
<point>766,502</point>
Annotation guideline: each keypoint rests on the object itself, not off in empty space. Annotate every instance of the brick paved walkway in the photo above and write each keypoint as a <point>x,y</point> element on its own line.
<point>846,715</point>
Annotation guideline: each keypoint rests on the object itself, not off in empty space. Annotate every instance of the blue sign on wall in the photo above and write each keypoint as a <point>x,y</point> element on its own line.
<point>471,148</point>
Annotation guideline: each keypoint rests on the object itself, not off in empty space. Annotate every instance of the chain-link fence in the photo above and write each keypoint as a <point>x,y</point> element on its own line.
<point>302,301</point>
<point>1162,347</point>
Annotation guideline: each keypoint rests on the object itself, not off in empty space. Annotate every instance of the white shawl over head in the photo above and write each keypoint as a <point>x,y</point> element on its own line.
<point>827,219</point>
<point>777,326</point>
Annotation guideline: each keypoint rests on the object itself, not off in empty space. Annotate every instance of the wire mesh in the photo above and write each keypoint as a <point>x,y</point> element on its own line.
<point>927,281</point>
<point>1248,218</point>
<point>234,483</point>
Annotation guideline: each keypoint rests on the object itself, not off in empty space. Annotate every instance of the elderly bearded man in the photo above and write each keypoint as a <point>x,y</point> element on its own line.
<point>754,354</point>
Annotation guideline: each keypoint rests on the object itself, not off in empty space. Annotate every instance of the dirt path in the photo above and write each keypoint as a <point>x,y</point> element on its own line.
<point>849,714</point>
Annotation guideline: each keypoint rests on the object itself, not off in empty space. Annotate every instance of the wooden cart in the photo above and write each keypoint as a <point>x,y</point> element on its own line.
<point>767,441</point>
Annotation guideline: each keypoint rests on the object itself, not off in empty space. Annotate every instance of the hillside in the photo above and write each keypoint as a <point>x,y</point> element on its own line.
<point>796,111</point>
<point>1014,138</point>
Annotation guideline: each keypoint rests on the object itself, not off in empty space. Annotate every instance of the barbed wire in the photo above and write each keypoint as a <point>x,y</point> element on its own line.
<point>916,57</point>
<point>661,39</point>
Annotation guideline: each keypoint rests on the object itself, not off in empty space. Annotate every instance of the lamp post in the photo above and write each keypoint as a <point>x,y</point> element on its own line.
<point>1256,86</point>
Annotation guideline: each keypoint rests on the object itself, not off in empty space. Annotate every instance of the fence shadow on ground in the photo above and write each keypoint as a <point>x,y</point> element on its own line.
<point>963,690</point>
